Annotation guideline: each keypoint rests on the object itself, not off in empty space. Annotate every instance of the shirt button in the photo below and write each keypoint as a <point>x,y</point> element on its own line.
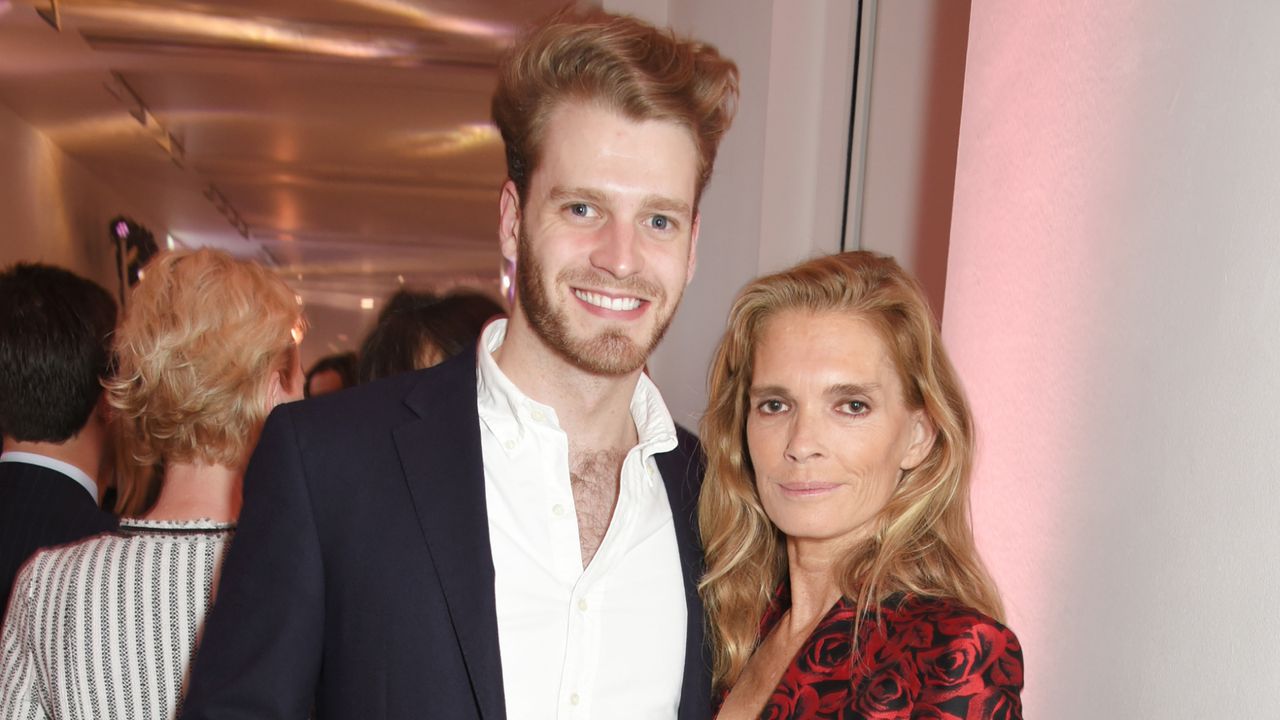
<point>574,699</point>
<point>510,444</point>
<point>557,510</point>
<point>538,416</point>
<point>582,604</point>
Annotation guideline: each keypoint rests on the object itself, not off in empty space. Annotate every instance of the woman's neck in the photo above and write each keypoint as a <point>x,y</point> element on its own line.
<point>812,567</point>
<point>193,491</point>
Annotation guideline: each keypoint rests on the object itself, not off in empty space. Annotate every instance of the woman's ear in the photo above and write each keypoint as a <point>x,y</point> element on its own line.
<point>276,394</point>
<point>923,436</point>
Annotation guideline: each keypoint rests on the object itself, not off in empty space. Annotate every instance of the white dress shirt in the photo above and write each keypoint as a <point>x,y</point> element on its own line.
<point>81,477</point>
<point>607,641</point>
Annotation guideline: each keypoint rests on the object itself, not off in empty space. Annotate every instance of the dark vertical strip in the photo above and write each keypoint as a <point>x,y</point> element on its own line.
<point>853,110</point>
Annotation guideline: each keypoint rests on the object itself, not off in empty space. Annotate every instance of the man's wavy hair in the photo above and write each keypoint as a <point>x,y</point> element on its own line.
<point>922,542</point>
<point>202,334</point>
<point>621,63</point>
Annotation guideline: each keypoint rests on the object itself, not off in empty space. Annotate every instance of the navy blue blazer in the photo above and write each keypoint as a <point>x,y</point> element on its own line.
<point>361,581</point>
<point>40,507</point>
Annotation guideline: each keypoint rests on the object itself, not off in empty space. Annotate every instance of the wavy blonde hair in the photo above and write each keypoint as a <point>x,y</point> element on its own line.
<point>923,542</point>
<point>202,334</point>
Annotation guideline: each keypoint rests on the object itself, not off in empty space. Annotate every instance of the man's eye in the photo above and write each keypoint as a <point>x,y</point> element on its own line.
<point>660,222</point>
<point>580,210</point>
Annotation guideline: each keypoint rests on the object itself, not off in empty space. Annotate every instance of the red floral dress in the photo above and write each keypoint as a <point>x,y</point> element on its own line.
<point>929,658</point>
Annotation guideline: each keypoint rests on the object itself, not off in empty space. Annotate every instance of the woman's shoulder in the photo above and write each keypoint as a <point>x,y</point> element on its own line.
<point>86,559</point>
<point>943,614</point>
<point>54,565</point>
<point>961,655</point>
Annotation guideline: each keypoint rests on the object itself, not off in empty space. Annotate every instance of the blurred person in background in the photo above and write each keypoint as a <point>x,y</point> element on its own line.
<point>55,352</point>
<point>106,627</point>
<point>420,330</point>
<point>330,373</point>
<point>842,577</point>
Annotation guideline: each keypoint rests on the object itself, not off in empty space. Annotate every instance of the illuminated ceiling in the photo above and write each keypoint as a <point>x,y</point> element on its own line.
<point>344,141</point>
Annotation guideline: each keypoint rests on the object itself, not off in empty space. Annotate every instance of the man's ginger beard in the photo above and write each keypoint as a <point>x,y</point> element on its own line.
<point>608,353</point>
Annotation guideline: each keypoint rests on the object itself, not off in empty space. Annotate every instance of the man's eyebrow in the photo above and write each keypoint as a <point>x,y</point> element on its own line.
<point>667,205</point>
<point>560,192</point>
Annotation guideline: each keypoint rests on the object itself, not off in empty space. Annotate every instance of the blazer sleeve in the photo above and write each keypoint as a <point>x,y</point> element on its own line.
<point>259,655</point>
<point>20,690</point>
<point>973,671</point>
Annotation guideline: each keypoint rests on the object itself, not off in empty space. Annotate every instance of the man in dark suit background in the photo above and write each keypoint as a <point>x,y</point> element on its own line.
<point>511,533</point>
<point>55,349</point>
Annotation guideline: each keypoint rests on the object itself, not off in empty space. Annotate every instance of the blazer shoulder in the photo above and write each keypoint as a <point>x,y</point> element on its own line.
<point>419,391</point>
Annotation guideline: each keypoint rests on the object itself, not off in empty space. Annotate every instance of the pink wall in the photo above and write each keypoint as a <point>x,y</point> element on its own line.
<point>1113,305</point>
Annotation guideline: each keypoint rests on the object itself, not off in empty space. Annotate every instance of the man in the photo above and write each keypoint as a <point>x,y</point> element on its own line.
<point>511,533</point>
<point>55,335</point>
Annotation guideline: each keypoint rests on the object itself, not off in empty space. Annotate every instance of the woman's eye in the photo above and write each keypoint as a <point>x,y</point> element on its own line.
<point>855,407</point>
<point>771,407</point>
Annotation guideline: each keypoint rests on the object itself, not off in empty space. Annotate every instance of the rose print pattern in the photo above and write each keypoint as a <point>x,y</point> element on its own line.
<point>928,659</point>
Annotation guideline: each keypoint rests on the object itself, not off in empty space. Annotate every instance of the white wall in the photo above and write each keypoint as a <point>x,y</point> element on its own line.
<point>902,205</point>
<point>1113,304</point>
<point>52,210</point>
<point>778,190</point>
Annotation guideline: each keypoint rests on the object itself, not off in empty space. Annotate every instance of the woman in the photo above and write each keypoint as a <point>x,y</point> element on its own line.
<point>842,578</point>
<point>106,627</point>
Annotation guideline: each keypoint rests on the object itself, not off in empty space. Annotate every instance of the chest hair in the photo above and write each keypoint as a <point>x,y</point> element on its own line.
<point>594,476</point>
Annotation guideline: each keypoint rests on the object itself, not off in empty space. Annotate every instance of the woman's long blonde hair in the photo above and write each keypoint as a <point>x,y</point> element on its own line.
<point>923,542</point>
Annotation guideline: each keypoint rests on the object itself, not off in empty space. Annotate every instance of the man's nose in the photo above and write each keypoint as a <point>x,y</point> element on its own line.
<point>618,251</point>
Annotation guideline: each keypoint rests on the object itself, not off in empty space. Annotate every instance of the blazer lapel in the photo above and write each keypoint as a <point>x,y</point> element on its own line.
<point>444,468</point>
<point>681,470</point>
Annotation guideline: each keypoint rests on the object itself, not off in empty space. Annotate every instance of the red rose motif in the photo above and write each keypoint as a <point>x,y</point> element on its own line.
<point>995,703</point>
<point>956,668</point>
<point>914,634</point>
<point>888,691</point>
<point>930,712</point>
<point>827,652</point>
<point>1007,668</point>
<point>792,701</point>
<point>925,659</point>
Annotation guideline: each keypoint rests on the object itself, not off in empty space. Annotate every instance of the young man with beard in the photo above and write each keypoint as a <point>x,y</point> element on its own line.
<point>510,534</point>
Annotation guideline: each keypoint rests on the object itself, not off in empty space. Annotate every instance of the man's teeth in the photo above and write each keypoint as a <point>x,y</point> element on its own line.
<point>606,302</point>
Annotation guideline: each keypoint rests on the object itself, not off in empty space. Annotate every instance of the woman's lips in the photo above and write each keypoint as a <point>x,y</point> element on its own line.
<point>806,489</point>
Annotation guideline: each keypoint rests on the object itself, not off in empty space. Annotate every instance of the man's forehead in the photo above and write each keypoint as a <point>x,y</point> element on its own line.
<point>589,147</point>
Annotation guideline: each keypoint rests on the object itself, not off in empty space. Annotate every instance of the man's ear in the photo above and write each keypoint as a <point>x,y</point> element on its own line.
<point>693,248</point>
<point>923,436</point>
<point>509,220</point>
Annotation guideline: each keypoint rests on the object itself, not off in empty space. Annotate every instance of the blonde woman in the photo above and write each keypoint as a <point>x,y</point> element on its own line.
<point>842,578</point>
<point>106,627</point>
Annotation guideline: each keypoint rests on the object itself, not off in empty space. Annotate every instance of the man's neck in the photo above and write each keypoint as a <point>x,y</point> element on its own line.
<point>81,451</point>
<point>593,410</point>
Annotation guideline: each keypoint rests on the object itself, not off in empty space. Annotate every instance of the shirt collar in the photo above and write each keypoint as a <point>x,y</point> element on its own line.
<point>67,469</point>
<point>509,413</point>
